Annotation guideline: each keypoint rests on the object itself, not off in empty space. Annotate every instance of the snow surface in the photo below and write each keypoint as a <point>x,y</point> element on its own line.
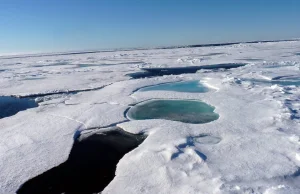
<point>254,147</point>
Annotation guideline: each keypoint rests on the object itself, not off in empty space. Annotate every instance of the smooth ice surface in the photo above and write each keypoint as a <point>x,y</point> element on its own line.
<point>11,105</point>
<point>253,147</point>
<point>185,111</point>
<point>188,86</point>
<point>207,139</point>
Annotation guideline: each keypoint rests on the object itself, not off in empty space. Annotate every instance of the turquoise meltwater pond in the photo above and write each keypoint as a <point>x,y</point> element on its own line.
<point>187,86</point>
<point>186,111</point>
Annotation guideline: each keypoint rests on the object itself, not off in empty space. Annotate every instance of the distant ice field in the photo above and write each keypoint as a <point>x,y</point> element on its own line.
<point>253,146</point>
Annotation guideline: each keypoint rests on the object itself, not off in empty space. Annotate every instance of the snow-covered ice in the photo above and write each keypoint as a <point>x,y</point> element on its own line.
<point>254,146</point>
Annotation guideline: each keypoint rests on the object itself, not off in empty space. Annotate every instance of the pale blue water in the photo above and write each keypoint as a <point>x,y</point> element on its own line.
<point>188,86</point>
<point>206,139</point>
<point>186,111</point>
<point>87,65</point>
<point>33,78</point>
<point>287,82</point>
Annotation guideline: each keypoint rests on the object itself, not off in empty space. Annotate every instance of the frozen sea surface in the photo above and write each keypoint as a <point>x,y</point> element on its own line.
<point>253,147</point>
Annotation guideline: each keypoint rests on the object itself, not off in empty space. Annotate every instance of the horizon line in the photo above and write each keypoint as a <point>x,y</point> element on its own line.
<point>87,51</point>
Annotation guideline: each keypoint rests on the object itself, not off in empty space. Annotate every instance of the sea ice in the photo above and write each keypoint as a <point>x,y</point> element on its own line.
<point>253,147</point>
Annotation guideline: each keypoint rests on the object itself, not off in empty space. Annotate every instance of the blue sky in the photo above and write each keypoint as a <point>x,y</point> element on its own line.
<point>63,25</point>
